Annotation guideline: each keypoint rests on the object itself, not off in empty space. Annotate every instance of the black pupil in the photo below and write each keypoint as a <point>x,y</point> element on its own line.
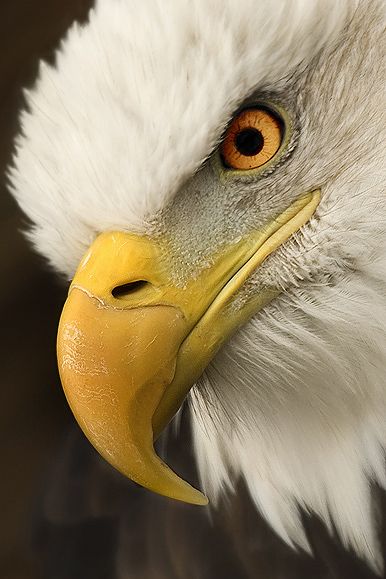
<point>249,142</point>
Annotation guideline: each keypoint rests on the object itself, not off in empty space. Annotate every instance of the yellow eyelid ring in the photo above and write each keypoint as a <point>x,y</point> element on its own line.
<point>246,166</point>
<point>252,139</point>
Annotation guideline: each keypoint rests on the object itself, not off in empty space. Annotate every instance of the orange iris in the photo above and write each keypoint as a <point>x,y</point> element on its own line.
<point>252,139</point>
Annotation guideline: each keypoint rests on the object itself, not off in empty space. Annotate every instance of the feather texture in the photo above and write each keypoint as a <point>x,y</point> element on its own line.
<point>116,136</point>
<point>101,145</point>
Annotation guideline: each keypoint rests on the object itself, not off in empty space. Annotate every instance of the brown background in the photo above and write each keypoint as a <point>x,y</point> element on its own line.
<point>34,415</point>
<point>32,409</point>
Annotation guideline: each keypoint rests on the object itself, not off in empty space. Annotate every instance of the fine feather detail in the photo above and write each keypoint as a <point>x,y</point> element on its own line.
<point>298,409</point>
<point>136,102</point>
<point>295,403</point>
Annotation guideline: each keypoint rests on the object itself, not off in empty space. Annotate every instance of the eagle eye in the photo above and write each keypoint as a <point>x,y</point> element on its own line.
<point>252,139</point>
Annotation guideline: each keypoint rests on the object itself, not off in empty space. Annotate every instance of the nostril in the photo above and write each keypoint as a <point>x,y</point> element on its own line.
<point>128,288</point>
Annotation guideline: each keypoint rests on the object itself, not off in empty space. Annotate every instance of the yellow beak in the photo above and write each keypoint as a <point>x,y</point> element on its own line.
<point>132,342</point>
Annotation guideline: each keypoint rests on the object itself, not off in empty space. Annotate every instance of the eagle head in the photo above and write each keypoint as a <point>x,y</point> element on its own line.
<point>210,175</point>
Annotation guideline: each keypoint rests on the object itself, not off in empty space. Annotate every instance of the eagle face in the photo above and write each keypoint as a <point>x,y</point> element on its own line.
<point>225,164</point>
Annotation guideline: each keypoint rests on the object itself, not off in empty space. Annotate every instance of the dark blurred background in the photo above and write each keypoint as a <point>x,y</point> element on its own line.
<point>37,432</point>
<point>32,408</point>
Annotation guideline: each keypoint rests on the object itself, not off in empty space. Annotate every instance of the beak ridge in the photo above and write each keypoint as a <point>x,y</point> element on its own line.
<point>132,342</point>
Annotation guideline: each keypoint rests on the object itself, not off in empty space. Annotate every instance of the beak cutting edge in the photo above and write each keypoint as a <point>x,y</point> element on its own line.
<point>131,343</point>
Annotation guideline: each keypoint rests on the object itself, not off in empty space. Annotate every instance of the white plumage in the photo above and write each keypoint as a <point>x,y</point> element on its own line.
<point>121,134</point>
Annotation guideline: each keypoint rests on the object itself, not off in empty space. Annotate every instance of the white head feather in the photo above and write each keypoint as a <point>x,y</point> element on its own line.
<point>114,134</point>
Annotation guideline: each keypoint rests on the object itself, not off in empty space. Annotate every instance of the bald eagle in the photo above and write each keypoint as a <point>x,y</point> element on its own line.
<point>210,176</point>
